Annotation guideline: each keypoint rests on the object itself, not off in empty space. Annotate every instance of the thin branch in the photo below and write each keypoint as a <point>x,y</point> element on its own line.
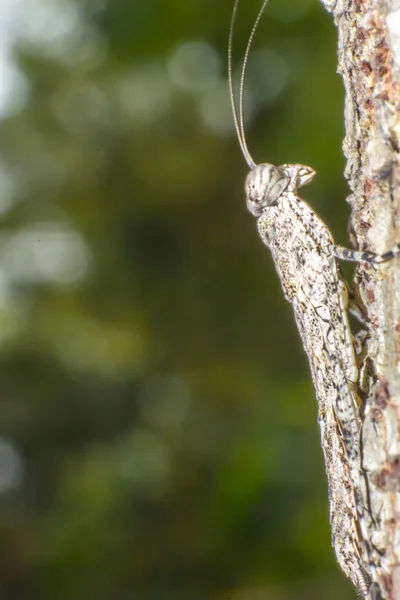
<point>369,61</point>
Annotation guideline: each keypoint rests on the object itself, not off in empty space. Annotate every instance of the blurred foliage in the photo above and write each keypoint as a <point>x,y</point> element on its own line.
<point>158,422</point>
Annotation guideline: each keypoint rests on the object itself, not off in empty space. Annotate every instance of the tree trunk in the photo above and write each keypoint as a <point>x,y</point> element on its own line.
<point>369,61</point>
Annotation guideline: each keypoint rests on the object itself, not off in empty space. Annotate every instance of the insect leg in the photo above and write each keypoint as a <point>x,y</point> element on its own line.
<point>360,256</point>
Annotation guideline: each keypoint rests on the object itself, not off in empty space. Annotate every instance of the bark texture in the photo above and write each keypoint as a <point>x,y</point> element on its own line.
<point>369,61</point>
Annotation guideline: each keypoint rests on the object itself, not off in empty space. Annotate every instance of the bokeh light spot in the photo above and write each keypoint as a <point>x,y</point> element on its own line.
<point>45,252</point>
<point>144,94</point>
<point>216,111</point>
<point>268,75</point>
<point>146,461</point>
<point>10,466</point>
<point>194,66</point>
<point>165,401</point>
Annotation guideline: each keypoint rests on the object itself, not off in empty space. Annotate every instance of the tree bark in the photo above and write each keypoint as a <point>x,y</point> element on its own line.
<point>369,61</point>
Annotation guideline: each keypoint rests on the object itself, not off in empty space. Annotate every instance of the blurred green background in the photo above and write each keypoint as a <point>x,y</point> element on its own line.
<point>158,435</point>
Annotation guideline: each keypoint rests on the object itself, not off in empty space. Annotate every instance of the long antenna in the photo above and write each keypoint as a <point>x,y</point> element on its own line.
<point>242,142</point>
<point>246,57</point>
<point>239,122</point>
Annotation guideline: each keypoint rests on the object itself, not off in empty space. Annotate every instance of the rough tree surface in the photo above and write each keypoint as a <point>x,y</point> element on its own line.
<point>369,61</point>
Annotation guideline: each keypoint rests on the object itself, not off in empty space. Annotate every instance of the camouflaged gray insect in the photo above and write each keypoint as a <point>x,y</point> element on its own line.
<point>302,248</point>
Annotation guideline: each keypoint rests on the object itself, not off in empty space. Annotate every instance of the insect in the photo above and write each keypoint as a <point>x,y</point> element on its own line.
<point>305,258</point>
